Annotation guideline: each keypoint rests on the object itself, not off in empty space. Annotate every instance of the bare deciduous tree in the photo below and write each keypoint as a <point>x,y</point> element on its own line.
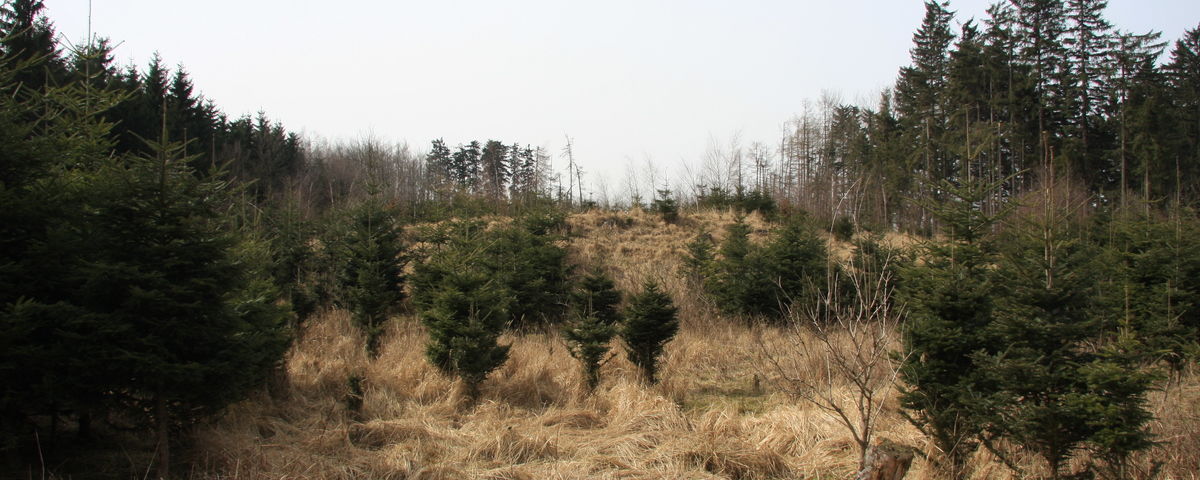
<point>835,351</point>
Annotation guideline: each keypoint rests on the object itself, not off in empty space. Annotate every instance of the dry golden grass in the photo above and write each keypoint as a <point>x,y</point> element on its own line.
<point>716,414</point>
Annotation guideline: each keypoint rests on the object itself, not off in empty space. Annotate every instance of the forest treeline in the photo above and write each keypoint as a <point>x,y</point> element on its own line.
<point>1032,86</point>
<point>158,257</point>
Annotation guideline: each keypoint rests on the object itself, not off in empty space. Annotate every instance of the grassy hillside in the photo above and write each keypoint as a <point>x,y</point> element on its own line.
<point>718,413</point>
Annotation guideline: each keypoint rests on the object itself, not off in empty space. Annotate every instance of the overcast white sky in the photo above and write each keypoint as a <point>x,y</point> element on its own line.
<point>626,79</point>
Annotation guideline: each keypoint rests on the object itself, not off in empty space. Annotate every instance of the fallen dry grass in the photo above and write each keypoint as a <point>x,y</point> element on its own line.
<point>717,413</point>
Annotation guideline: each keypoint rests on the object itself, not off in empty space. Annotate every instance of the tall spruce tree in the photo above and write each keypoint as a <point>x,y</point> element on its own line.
<point>437,162</point>
<point>191,120</point>
<point>1041,27</point>
<point>1047,392</point>
<point>1183,72</point>
<point>951,309</point>
<point>465,165</point>
<point>27,39</point>
<point>50,142</point>
<point>1010,101</point>
<point>1151,134</point>
<point>495,171</point>
<point>190,327</point>
<point>1133,63</point>
<point>920,94</point>
<point>526,174</point>
<point>968,91</point>
<point>1089,41</point>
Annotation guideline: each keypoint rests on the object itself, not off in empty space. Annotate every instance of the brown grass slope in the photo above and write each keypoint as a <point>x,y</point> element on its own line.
<point>715,415</point>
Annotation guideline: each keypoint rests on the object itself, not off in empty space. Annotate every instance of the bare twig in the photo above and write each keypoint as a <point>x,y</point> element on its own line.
<point>838,338</point>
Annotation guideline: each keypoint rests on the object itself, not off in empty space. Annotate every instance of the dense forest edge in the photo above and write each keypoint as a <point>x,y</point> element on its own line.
<point>995,271</point>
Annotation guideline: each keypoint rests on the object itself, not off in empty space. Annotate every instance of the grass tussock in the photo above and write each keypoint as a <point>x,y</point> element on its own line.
<point>718,413</point>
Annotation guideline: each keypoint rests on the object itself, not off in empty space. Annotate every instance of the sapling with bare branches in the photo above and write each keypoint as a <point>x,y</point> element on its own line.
<point>832,345</point>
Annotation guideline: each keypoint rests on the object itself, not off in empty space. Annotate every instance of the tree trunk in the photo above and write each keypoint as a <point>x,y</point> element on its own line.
<point>162,422</point>
<point>886,460</point>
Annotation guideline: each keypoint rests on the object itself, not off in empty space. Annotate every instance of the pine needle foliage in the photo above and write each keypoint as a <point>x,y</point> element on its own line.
<point>650,322</point>
<point>950,297</point>
<point>525,260</point>
<point>763,280</point>
<point>465,310</point>
<point>1049,391</point>
<point>665,205</point>
<point>596,316</point>
<point>188,311</point>
<point>372,275</point>
<point>699,256</point>
<point>587,339</point>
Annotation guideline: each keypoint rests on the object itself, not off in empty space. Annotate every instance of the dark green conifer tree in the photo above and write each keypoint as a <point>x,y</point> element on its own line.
<point>464,307</point>
<point>596,295</point>
<point>796,263</point>
<point>1036,395</point>
<point>372,276</point>
<point>1183,72</point>
<point>27,40</point>
<point>1040,30</point>
<point>1048,391</point>
<point>1150,288</point>
<point>437,163</point>
<point>699,259</point>
<point>295,261</point>
<point>526,180</point>
<point>664,204</point>
<point>1133,59</point>
<point>190,326</point>
<point>650,322</point>
<point>587,339</point>
<point>738,283</point>
<point>495,171</point>
<point>766,280</point>
<point>524,259</point>
<point>464,166</point>
<point>596,315</point>
<point>951,304</point>
<point>50,141</point>
<point>920,94</point>
<point>890,176</point>
<point>534,268</point>
<point>1089,41</point>
<point>191,120</point>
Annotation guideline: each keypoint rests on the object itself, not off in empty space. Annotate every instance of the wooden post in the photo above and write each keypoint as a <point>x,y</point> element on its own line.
<point>886,460</point>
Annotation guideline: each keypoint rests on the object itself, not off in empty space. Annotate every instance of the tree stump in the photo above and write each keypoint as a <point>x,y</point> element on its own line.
<point>886,460</point>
